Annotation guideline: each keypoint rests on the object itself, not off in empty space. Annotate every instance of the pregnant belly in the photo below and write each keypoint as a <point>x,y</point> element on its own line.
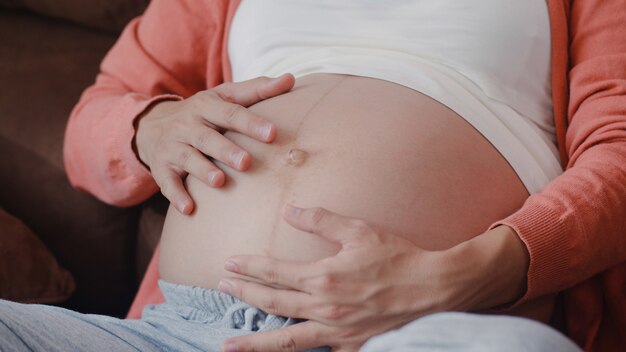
<point>360,147</point>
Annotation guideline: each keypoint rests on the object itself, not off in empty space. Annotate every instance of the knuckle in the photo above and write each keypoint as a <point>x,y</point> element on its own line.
<point>285,342</point>
<point>260,80</point>
<point>240,291</point>
<point>269,273</point>
<point>333,312</point>
<point>348,333</point>
<point>358,225</point>
<point>167,189</point>
<point>198,102</point>
<point>326,283</point>
<point>252,348</point>
<point>270,306</point>
<point>246,345</point>
<point>203,139</point>
<point>205,97</point>
<point>184,159</point>
<point>301,281</point>
<point>251,125</point>
<point>317,214</point>
<point>231,113</point>
<point>224,92</point>
<point>260,93</point>
<point>212,132</point>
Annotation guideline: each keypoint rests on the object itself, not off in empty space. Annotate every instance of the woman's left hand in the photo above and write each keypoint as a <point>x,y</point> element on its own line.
<point>376,282</point>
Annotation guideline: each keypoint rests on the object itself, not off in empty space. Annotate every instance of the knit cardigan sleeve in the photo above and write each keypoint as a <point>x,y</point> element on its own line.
<point>576,227</point>
<point>163,54</point>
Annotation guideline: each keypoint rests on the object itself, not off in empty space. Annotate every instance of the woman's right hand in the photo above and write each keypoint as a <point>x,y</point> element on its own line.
<point>175,138</point>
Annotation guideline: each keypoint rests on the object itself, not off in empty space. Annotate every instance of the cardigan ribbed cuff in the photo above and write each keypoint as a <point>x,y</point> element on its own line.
<point>133,182</point>
<point>542,230</point>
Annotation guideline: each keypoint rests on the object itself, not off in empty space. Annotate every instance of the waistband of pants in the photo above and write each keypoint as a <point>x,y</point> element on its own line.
<point>205,299</point>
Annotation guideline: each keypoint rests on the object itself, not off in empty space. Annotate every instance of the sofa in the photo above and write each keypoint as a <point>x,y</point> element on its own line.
<point>50,51</point>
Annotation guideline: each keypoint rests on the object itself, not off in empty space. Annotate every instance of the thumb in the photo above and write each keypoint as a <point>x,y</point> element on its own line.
<point>254,90</point>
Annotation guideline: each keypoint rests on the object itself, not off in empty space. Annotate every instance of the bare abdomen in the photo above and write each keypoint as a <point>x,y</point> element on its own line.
<point>357,146</point>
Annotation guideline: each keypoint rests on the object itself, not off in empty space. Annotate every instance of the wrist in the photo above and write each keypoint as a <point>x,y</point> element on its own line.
<point>496,264</point>
<point>141,137</point>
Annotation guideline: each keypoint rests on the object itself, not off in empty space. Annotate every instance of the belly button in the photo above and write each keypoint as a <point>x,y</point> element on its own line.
<point>296,157</point>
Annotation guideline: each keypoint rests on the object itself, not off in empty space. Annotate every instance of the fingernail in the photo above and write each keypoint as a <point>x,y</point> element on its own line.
<point>237,158</point>
<point>225,286</point>
<point>230,347</point>
<point>212,177</point>
<point>292,211</point>
<point>183,206</point>
<point>265,130</point>
<point>230,266</point>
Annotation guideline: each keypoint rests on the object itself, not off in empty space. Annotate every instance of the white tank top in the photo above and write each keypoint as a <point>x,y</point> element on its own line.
<point>487,60</point>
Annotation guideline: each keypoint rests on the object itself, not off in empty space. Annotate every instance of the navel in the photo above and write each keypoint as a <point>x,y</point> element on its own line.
<point>296,157</point>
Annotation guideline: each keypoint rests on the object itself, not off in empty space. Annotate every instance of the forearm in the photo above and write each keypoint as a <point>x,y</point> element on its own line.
<point>98,152</point>
<point>152,59</point>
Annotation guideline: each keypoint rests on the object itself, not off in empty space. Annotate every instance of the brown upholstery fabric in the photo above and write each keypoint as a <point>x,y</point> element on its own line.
<point>45,64</point>
<point>29,273</point>
<point>109,15</point>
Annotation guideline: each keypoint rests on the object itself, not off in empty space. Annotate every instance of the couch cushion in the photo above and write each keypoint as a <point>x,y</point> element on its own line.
<point>109,15</point>
<point>29,273</point>
<point>45,64</point>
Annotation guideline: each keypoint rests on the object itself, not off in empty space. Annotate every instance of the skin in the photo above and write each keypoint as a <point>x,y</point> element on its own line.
<point>174,138</point>
<point>392,243</point>
<point>373,266</point>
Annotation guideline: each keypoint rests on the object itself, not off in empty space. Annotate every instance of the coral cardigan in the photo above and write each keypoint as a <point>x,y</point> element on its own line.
<point>575,229</point>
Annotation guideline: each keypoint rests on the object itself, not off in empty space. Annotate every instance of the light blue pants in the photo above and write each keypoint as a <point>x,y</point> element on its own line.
<point>471,333</point>
<point>199,319</point>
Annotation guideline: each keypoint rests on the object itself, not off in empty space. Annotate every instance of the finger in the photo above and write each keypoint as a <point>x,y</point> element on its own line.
<point>172,188</point>
<point>271,271</point>
<point>297,337</point>
<point>252,91</point>
<point>324,223</point>
<point>271,300</point>
<point>232,116</point>
<point>212,143</point>
<point>198,166</point>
